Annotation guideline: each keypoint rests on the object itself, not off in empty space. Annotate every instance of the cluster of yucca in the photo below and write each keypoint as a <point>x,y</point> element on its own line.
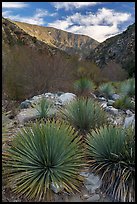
<point>51,153</point>
<point>124,103</point>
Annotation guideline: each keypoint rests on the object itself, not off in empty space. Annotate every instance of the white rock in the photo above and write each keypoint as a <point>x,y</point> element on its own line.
<point>56,188</point>
<point>103,104</point>
<point>129,121</point>
<point>85,174</point>
<point>110,102</point>
<point>27,114</point>
<point>66,98</point>
<point>112,110</point>
<point>115,96</point>
<point>92,182</point>
<point>128,112</point>
<point>102,99</point>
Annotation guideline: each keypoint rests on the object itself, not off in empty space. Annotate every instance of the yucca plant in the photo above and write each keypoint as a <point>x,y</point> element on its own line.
<point>127,87</point>
<point>124,103</point>
<point>106,89</point>
<point>111,152</point>
<point>42,156</point>
<point>83,86</point>
<point>84,114</point>
<point>43,107</point>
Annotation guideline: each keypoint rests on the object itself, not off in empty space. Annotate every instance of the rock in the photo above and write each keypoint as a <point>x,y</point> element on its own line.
<point>115,97</point>
<point>27,114</point>
<point>25,104</point>
<point>85,174</point>
<point>129,121</point>
<point>67,97</point>
<point>103,104</point>
<point>92,182</point>
<point>56,188</point>
<point>102,99</point>
<point>93,198</point>
<point>112,110</point>
<point>128,112</point>
<point>110,102</point>
<point>59,93</point>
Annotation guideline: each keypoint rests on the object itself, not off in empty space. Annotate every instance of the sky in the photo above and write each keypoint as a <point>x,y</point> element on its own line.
<point>98,20</point>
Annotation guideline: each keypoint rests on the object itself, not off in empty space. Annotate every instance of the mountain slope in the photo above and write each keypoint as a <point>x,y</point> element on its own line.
<point>69,42</point>
<point>120,48</point>
<point>30,66</point>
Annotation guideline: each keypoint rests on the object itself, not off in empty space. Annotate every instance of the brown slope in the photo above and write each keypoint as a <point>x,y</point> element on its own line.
<point>69,42</point>
<point>30,66</point>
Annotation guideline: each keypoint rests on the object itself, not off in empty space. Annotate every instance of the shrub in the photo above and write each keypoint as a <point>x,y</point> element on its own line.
<point>106,89</point>
<point>124,103</point>
<point>84,114</point>
<point>43,107</point>
<point>41,156</point>
<point>111,152</point>
<point>83,86</point>
<point>127,87</point>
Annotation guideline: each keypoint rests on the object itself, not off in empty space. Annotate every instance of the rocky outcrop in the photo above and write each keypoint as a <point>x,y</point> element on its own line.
<point>120,49</point>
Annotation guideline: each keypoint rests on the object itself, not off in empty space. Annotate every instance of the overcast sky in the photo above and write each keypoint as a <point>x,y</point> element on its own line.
<point>98,20</point>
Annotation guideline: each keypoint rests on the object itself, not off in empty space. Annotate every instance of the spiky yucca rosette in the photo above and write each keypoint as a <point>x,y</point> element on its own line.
<point>41,156</point>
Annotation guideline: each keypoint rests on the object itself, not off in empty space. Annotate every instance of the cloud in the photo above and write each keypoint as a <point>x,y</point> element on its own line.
<point>72,5</point>
<point>36,19</point>
<point>14,5</point>
<point>100,25</point>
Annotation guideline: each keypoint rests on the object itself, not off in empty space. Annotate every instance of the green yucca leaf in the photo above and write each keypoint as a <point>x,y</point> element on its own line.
<point>111,151</point>
<point>43,107</point>
<point>42,155</point>
<point>106,89</point>
<point>124,103</point>
<point>83,86</point>
<point>127,87</point>
<point>84,114</point>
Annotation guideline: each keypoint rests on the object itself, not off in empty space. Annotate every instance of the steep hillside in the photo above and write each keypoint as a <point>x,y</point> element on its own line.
<point>69,42</point>
<point>13,35</point>
<point>120,48</point>
<point>30,66</point>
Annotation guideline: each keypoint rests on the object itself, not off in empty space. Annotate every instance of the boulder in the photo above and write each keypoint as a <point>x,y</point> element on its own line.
<point>128,112</point>
<point>115,97</point>
<point>25,104</point>
<point>92,182</point>
<point>112,110</point>
<point>27,114</point>
<point>66,98</point>
<point>56,189</point>
<point>103,104</point>
<point>102,99</point>
<point>110,102</point>
<point>129,121</point>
